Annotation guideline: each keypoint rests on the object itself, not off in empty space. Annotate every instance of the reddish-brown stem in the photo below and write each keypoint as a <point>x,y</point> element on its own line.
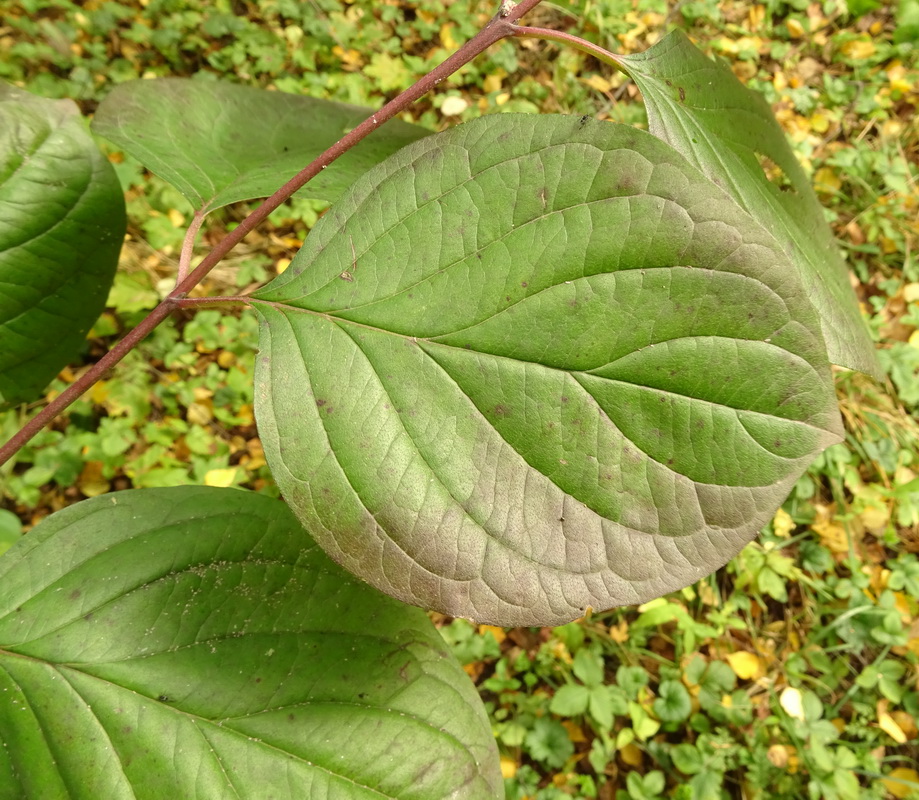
<point>499,27</point>
<point>188,245</point>
<point>194,302</point>
<point>527,32</point>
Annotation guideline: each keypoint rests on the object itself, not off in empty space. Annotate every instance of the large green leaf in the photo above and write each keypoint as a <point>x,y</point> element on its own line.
<point>194,642</point>
<point>531,365</point>
<point>220,143</point>
<point>728,131</point>
<point>62,222</point>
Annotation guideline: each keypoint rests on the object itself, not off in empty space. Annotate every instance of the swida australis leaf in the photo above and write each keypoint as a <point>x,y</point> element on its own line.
<point>699,107</point>
<point>220,143</point>
<point>193,642</point>
<point>62,222</point>
<point>530,365</point>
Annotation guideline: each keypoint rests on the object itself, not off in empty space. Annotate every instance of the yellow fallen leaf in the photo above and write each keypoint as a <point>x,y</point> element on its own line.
<point>99,393</point>
<point>508,767</point>
<point>446,36</point>
<point>200,413</point>
<point>819,123</point>
<point>792,701</point>
<point>832,536</point>
<point>176,217</point>
<point>598,82</point>
<point>619,633</point>
<point>91,481</point>
<point>575,731</point>
<point>907,723</point>
<point>858,49</point>
<point>778,755</point>
<point>782,523</point>
<point>492,82</point>
<point>495,631</point>
<point>827,181</point>
<point>220,477</point>
<point>795,28</point>
<point>631,755</point>
<point>898,781</point>
<point>746,666</point>
<point>889,725</point>
<point>281,264</point>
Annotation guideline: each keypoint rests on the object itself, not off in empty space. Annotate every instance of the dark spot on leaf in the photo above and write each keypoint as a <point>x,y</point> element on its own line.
<point>88,617</point>
<point>75,594</point>
<point>524,284</point>
<point>258,680</point>
<point>777,444</point>
<point>501,410</point>
<point>321,403</point>
<point>291,718</point>
<point>564,399</point>
<point>682,95</point>
<point>164,698</point>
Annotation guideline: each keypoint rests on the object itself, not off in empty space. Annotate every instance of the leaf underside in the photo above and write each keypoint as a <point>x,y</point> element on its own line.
<point>700,108</point>
<point>194,642</point>
<point>531,365</point>
<point>62,222</point>
<point>220,143</point>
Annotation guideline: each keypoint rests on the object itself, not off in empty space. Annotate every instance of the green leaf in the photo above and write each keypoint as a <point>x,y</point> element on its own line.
<point>517,371</point>
<point>569,701</point>
<point>719,679</point>
<point>687,759</point>
<point>588,667</point>
<point>194,642</point>
<point>601,706</point>
<point>548,742</point>
<point>63,222</point>
<point>729,132</point>
<point>10,530</point>
<point>673,703</point>
<point>220,143</point>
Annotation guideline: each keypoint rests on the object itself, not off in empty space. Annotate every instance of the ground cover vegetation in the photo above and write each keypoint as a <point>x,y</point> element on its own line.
<point>790,673</point>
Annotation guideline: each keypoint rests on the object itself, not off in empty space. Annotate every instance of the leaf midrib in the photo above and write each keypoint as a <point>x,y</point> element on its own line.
<point>342,322</point>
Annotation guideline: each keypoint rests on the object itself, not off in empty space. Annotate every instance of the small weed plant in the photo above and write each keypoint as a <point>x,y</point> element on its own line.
<point>521,370</point>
